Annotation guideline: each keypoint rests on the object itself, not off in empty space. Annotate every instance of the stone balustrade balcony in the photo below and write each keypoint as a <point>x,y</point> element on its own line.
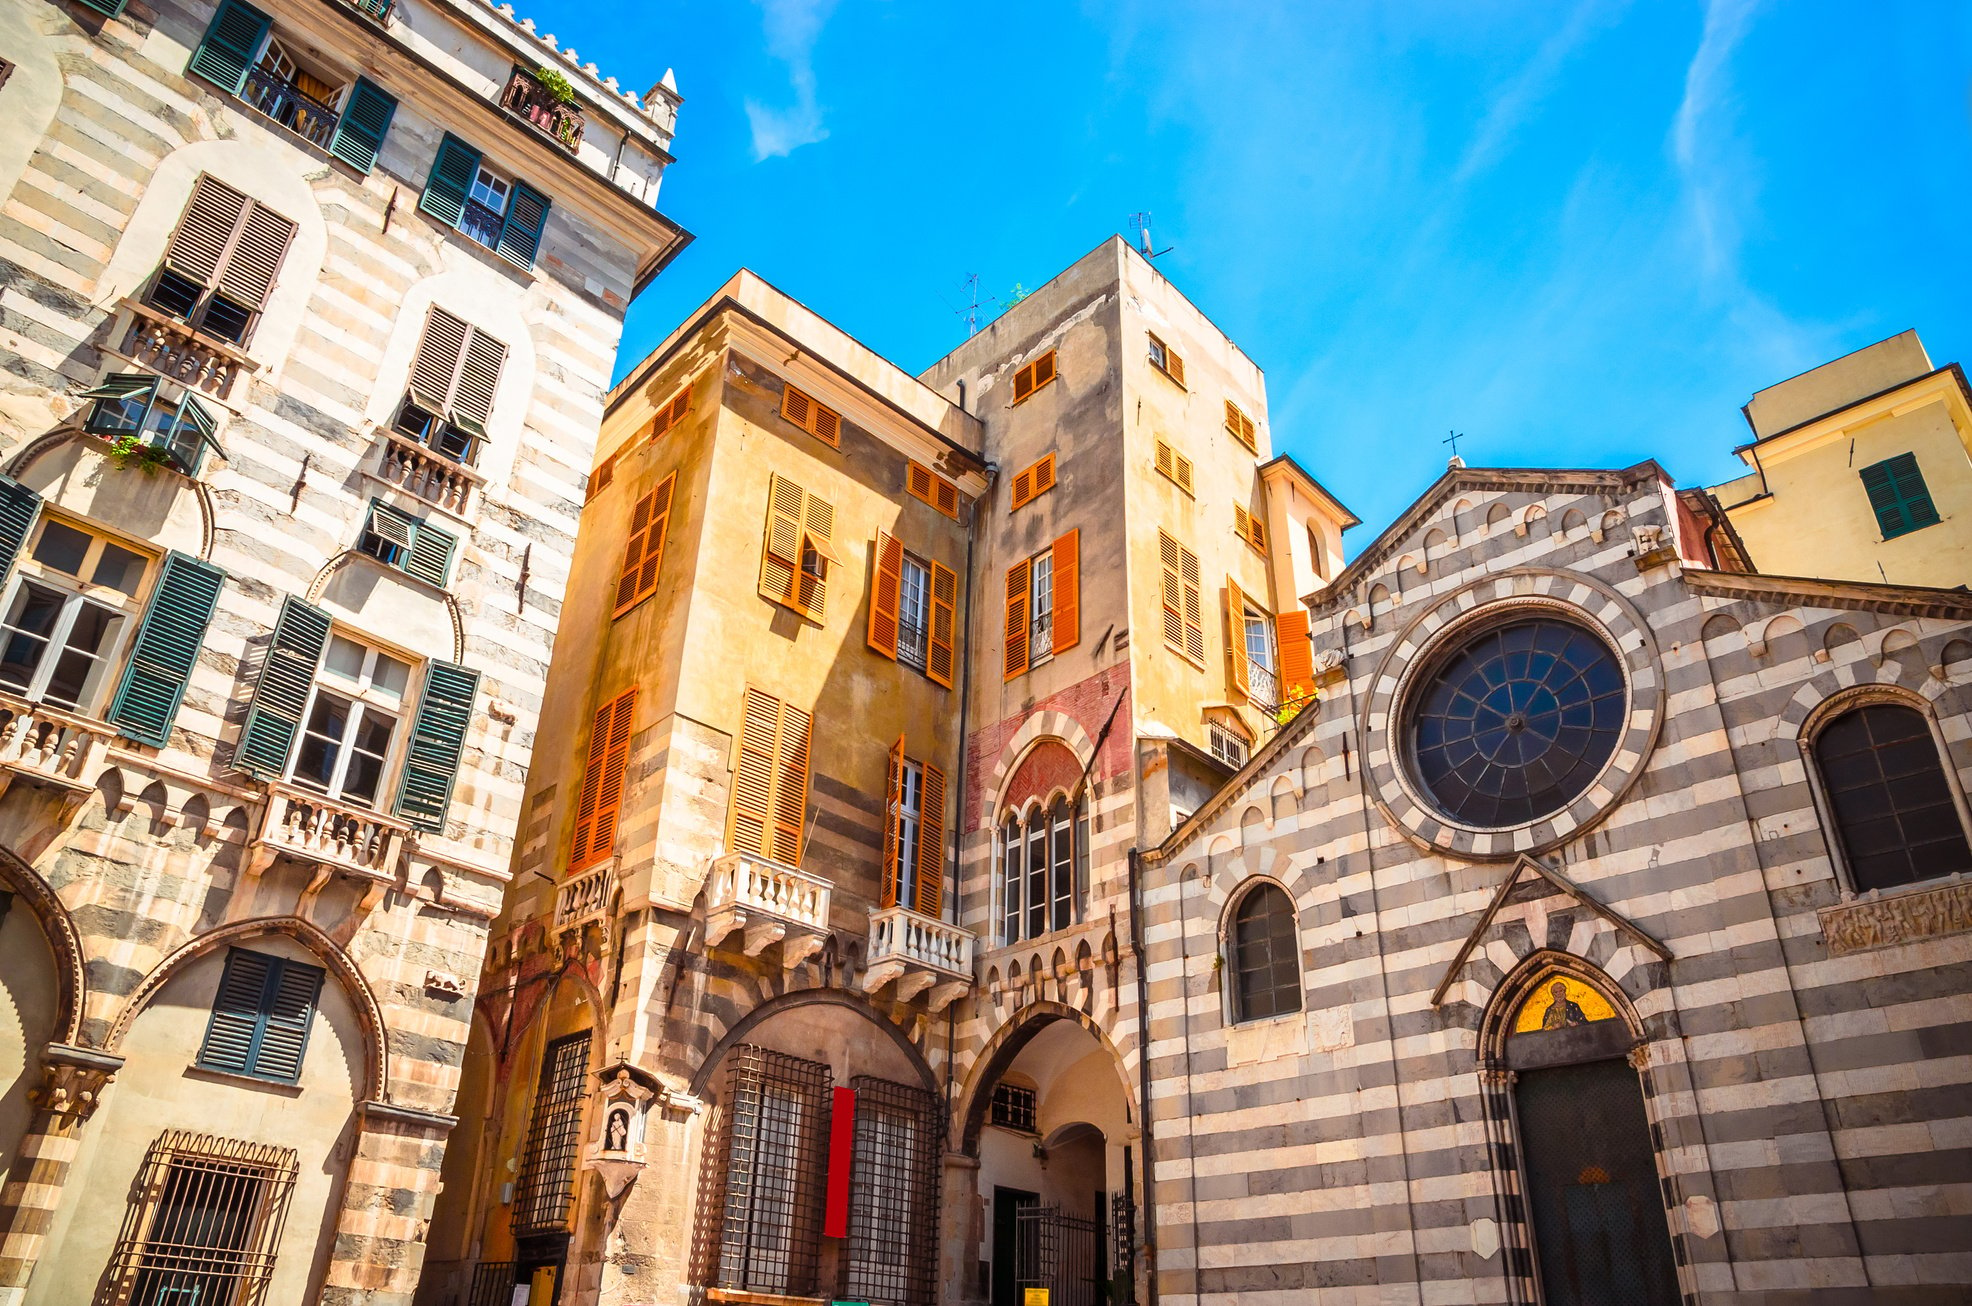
<point>769,903</point>
<point>584,897</point>
<point>179,353</point>
<point>427,474</point>
<point>334,835</point>
<point>918,952</point>
<point>49,747</point>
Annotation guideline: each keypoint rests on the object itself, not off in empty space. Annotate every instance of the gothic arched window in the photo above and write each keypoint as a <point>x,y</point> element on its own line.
<point>1265,955</point>
<point>1043,851</point>
<point>1891,802</point>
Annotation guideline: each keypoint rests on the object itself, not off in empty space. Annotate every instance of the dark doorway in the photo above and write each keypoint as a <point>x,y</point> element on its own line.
<point>1007,1205</point>
<point>1600,1234</point>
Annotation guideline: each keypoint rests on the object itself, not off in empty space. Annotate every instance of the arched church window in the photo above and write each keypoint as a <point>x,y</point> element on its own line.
<point>1265,947</point>
<point>1043,853</point>
<point>1888,794</point>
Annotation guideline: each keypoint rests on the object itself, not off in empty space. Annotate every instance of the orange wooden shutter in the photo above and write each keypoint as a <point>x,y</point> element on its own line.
<point>1171,592</point>
<point>602,781</point>
<point>816,418</point>
<point>917,479</point>
<point>1239,424</point>
<point>931,840</point>
<point>886,598</point>
<point>1165,467</point>
<point>1189,575</point>
<point>796,407</point>
<point>1029,483</point>
<point>753,777</point>
<point>828,426</point>
<point>791,784</point>
<point>933,489</point>
<point>1236,676</point>
<point>893,803</point>
<point>1297,654</point>
<point>672,413</point>
<point>1023,486</point>
<point>944,604</point>
<point>811,599</point>
<point>1044,475</point>
<point>650,521</point>
<point>1174,363</point>
<point>605,473</point>
<point>1067,591</point>
<point>1016,626</point>
<point>945,497</point>
<point>780,554</point>
<point>1044,369</point>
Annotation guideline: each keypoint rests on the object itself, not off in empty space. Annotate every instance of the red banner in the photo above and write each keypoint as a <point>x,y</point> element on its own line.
<point>842,1147</point>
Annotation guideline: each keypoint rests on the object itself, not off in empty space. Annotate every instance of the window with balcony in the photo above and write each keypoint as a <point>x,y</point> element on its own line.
<point>242,56</point>
<point>67,613</point>
<point>326,711</point>
<point>483,203</point>
<point>1043,859</point>
<point>1043,605</point>
<point>912,610</point>
<point>1262,684</point>
<point>204,1222</point>
<point>770,780</point>
<point>914,835</point>
<point>455,377</point>
<point>549,108</point>
<point>138,411</point>
<point>221,262</point>
<point>354,709</point>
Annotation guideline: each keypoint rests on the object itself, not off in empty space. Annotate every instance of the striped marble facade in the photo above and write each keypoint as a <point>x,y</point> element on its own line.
<point>1803,1050</point>
<point>138,864</point>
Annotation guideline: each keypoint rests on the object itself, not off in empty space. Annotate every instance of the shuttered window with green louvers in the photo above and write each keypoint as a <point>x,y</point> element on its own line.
<point>108,8</point>
<point>410,544</point>
<point>230,45</point>
<point>512,229</point>
<point>261,1016</point>
<point>18,508</point>
<point>166,647</point>
<point>360,129</point>
<point>438,739</point>
<point>280,693</point>
<point>1898,496</point>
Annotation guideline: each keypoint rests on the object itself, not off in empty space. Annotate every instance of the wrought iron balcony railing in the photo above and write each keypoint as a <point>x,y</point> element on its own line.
<point>526,99</point>
<point>284,102</point>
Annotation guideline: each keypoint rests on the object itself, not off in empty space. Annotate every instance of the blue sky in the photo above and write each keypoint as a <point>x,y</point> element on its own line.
<point>1580,235</point>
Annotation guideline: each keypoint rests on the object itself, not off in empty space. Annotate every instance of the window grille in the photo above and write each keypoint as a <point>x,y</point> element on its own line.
<point>913,611</point>
<point>493,1284</point>
<point>1226,746</point>
<point>547,1175</point>
<point>762,1188</point>
<point>891,1257</point>
<point>1059,1253</point>
<point>1012,1107</point>
<point>204,1225</point>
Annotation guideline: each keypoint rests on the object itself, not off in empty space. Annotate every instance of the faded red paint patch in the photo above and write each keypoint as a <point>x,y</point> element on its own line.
<point>1087,702</point>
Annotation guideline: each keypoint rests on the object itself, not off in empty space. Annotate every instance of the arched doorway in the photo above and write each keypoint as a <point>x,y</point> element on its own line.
<point>1051,1126</point>
<point>1571,1049</point>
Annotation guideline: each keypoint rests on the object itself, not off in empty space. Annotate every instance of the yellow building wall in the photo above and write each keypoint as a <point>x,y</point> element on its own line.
<point>1817,520</point>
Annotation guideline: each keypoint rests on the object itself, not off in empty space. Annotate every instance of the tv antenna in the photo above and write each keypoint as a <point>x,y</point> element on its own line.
<point>1140,223</point>
<point>969,310</point>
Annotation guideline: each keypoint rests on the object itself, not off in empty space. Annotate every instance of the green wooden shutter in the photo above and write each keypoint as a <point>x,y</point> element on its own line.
<point>167,645</point>
<point>438,737</point>
<point>1898,496</point>
<point>430,556</point>
<point>108,8</point>
<point>18,506</point>
<point>359,133</point>
<point>281,692</point>
<point>520,234</point>
<point>261,1016</point>
<point>287,1011</point>
<point>230,45</point>
<point>235,1025</point>
<point>452,171</point>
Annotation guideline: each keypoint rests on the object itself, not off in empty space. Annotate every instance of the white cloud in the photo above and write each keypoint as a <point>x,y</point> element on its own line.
<point>792,28</point>
<point>1696,136</point>
<point>1517,102</point>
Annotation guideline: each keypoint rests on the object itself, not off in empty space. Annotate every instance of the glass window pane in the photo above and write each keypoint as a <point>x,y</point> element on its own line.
<point>390,676</point>
<point>119,568</point>
<point>62,547</point>
<point>321,741</point>
<point>345,658</point>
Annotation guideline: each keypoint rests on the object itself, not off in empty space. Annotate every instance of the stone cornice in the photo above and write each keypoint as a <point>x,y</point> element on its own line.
<point>1859,596</point>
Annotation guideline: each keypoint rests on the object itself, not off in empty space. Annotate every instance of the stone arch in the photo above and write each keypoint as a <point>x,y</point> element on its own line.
<point>1523,979</point>
<point>376,1057</point>
<point>1048,767</point>
<point>1058,726</point>
<point>1379,601</point>
<point>1610,521</point>
<point>1496,515</point>
<point>1253,825</point>
<point>739,1029</point>
<point>1897,642</point>
<point>1534,512</point>
<point>1436,545</point>
<point>1314,773</point>
<point>68,469</point>
<point>335,587</point>
<point>1718,626</point>
<point>64,941</point>
<point>1839,640</point>
<point>1954,660</point>
<point>1461,518</point>
<point>1284,799</point>
<point>1573,520</point>
<point>1006,1044</point>
<point>1411,562</point>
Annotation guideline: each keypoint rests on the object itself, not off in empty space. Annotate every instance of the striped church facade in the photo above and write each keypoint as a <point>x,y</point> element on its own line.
<point>309,311</point>
<point>1782,1021</point>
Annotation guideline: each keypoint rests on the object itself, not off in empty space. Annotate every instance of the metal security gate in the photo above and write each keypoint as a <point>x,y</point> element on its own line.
<point>1061,1253</point>
<point>1600,1234</point>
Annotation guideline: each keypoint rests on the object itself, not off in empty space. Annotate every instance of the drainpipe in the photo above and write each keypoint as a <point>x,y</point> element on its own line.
<point>965,717</point>
<point>1145,1148</point>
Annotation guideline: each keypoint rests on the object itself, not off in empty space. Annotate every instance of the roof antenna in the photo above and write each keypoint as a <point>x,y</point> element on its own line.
<point>1140,223</point>
<point>1454,462</point>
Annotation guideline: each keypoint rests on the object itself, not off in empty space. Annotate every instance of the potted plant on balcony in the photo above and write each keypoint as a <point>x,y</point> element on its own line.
<point>128,451</point>
<point>557,87</point>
